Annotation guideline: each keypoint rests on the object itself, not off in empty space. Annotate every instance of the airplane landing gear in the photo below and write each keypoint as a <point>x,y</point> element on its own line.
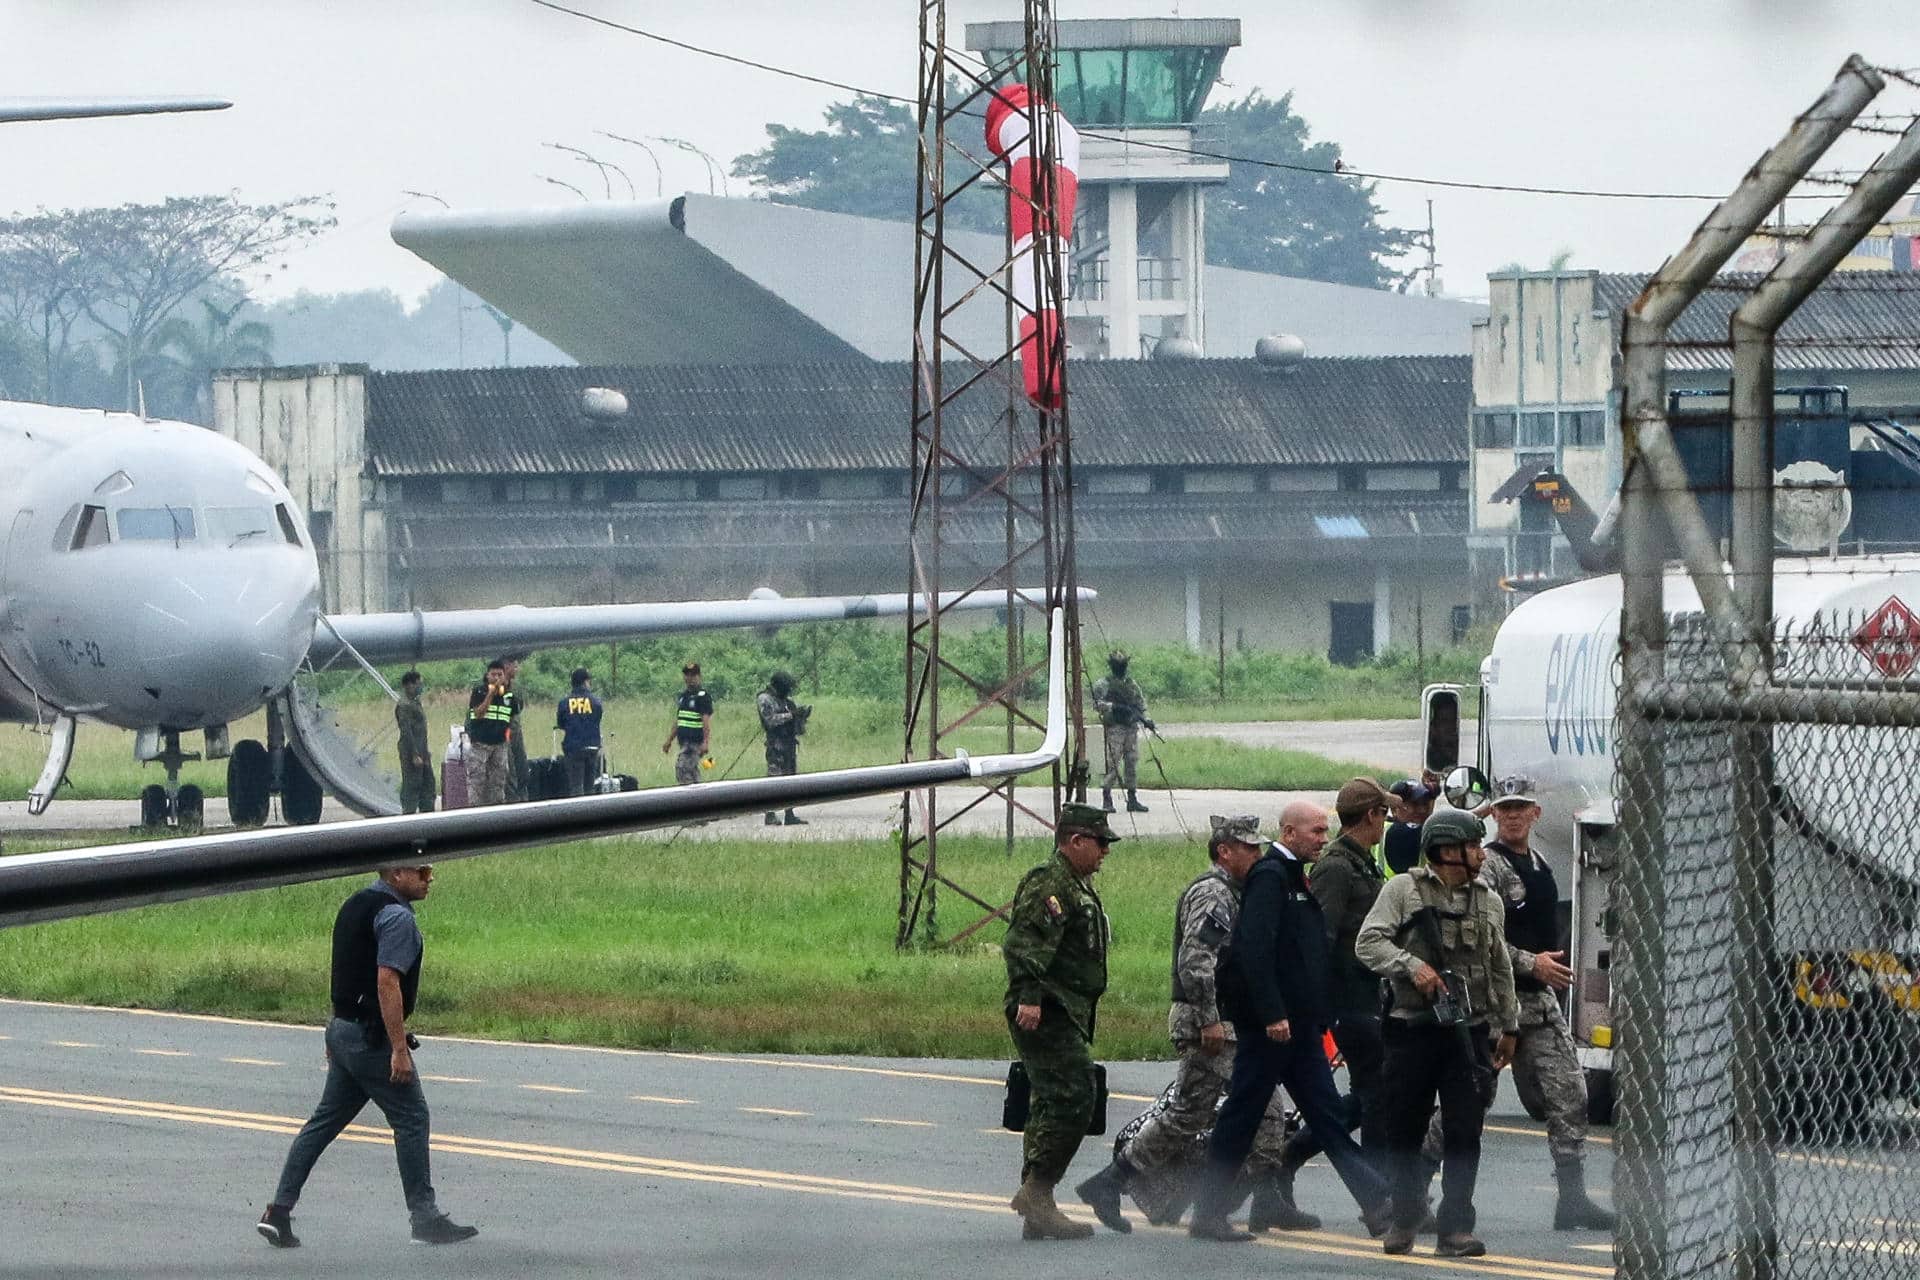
<point>249,784</point>
<point>300,793</point>
<point>171,805</point>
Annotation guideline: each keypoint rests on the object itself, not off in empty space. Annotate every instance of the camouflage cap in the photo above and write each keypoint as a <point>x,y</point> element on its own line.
<point>1450,826</point>
<point>1513,789</point>
<point>1088,818</point>
<point>1243,828</point>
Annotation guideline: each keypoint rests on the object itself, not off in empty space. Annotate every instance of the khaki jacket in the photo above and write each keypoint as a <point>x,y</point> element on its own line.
<point>1473,939</point>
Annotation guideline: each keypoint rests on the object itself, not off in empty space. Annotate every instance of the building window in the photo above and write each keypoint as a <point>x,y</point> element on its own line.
<point>539,489</point>
<point>1584,428</point>
<point>465,489</point>
<point>1219,482</point>
<point>1493,431</point>
<point>800,486</point>
<point>1403,478</point>
<point>664,489</point>
<point>858,486</point>
<point>739,488</point>
<point>1121,482</point>
<point>422,489</point>
<point>1536,430</point>
<point>619,488</point>
<point>1303,480</point>
<point>589,489</point>
<point>1353,479</point>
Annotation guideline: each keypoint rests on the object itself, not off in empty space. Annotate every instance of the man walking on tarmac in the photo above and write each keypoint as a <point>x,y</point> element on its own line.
<point>1437,934</point>
<point>1164,1147</point>
<point>1546,1067</point>
<point>1056,954</point>
<point>1123,710</point>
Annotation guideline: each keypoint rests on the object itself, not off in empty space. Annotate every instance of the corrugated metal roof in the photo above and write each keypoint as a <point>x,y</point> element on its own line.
<point>1107,530</point>
<point>711,419</point>
<point>1855,320</point>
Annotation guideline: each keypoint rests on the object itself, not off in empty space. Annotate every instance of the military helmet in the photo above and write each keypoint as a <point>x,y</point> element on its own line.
<point>1118,659</point>
<point>1450,826</point>
<point>781,683</point>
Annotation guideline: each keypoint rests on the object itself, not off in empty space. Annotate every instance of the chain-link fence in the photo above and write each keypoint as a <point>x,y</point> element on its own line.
<point>1767,953</point>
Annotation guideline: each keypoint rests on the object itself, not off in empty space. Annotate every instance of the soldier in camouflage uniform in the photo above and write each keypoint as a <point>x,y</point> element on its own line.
<point>1546,1069</point>
<point>1056,954</point>
<point>416,758</point>
<point>782,720</point>
<point>1167,1145</point>
<point>1123,710</point>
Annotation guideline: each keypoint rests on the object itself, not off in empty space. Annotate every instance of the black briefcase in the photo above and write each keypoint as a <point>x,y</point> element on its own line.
<point>1013,1112</point>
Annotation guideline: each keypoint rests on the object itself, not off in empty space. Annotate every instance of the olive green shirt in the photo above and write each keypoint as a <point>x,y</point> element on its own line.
<point>1056,943</point>
<point>411,718</point>
<point>1473,938</point>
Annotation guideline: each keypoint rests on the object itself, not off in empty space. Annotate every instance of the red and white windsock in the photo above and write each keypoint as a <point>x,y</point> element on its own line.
<point>1007,138</point>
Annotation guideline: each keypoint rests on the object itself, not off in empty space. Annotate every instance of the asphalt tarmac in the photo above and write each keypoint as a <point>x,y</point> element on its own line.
<point>146,1144</point>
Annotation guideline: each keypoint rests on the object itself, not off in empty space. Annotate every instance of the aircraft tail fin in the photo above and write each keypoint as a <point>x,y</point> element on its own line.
<point>1590,536</point>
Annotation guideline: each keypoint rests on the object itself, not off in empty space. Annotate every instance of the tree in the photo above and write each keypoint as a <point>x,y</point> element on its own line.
<point>188,355</point>
<point>862,163</point>
<point>1319,226</point>
<point>143,261</point>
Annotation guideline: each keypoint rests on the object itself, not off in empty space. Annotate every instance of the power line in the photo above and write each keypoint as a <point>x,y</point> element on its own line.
<point>1339,170</point>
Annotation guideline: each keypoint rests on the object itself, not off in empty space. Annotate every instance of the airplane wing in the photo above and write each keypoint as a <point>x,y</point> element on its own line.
<point>485,633</point>
<point>21,109</point>
<point>51,886</point>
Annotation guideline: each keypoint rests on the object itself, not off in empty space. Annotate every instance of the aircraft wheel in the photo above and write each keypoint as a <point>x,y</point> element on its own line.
<point>191,808</point>
<point>153,805</point>
<point>300,794</point>
<point>249,784</point>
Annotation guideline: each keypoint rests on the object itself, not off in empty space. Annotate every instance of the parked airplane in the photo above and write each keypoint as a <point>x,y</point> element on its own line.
<point>158,577</point>
<point>1545,704</point>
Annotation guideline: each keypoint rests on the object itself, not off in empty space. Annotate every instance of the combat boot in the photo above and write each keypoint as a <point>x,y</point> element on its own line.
<point>795,820</point>
<point>1106,799</point>
<point>1102,1194</point>
<point>773,819</point>
<point>1044,1221</point>
<point>1273,1208</point>
<point>1133,803</point>
<point>1574,1211</point>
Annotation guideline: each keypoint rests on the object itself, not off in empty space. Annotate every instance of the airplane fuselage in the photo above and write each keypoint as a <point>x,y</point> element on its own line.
<point>152,574</point>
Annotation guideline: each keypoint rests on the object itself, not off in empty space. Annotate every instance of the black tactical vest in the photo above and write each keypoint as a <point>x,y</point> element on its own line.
<point>1534,924</point>
<point>356,962</point>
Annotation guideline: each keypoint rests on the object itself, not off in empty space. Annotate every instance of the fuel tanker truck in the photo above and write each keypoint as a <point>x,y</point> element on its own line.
<point>1846,1012</point>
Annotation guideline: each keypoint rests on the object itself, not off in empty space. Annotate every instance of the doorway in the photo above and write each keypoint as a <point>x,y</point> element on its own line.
<point>1352,633</point>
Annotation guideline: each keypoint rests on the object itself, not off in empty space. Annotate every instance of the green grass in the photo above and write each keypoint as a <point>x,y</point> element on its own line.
<point>846,732</point>
<point>725,945</point>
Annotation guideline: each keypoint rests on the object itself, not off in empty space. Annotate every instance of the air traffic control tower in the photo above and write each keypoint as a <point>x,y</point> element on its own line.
<point>1134,88</point>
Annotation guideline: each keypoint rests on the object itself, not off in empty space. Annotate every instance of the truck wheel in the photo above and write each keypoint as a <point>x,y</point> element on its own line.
<point>1599,1096</point>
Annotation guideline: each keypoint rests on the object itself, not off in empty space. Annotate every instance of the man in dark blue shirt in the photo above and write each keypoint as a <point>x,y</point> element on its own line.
<point>377,950</point>
<point>578,719</point>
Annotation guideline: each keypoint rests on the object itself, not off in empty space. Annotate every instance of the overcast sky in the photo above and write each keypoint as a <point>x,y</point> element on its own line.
<point>360,99</point>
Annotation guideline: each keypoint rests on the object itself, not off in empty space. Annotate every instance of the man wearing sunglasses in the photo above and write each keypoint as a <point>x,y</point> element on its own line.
<point>377,950</point>
<point>1056,954</point>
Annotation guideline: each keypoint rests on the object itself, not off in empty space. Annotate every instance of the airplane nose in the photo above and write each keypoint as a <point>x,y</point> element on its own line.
<point>211,649</point>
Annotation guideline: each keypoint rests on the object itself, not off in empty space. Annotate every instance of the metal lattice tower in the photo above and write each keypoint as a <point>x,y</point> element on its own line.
<point>990,507</point>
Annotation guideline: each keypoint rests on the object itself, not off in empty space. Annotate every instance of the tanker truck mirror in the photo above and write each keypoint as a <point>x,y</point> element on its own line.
<point>1466,788</point>
<point>1440,727</point>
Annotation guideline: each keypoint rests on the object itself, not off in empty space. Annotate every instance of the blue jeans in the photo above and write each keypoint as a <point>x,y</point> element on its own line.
<point>357,1070</point>
<point>1260,1066</point>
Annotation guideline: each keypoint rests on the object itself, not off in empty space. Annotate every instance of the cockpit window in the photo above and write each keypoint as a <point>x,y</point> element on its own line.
<point>288,530</point>
<point>234,526</point>
<point>89,529</point>
<point>118,482</point>
<point>156,524</point>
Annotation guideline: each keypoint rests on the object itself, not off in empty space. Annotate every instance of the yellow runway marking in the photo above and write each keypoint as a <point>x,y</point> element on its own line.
<point>551,1088</point>
<point>453,1079</point>
<point>772,1111</point>
<point>1322,1243</point>
<point>74,1044</point>
<point>253,1062</point>
<point>908,1124</point>
<point>995,1128</point>
<point>671,1102</point>
<point>1594,1248</point>
<point>165,1053</point>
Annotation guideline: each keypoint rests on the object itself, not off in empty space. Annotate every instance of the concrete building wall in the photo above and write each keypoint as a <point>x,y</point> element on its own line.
<point>309,425</point>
